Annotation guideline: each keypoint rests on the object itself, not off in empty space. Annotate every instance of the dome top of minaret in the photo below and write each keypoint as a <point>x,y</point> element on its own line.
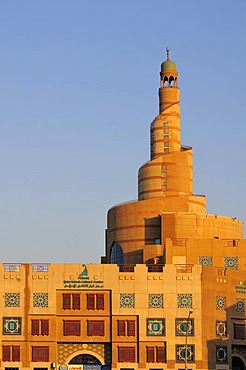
<point>168,65</point>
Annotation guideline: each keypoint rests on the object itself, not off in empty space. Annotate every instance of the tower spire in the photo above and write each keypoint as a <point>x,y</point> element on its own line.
<point>168,53</point>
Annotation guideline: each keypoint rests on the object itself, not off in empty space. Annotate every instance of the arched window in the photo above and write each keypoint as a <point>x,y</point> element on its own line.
<point>171,81</point>
<point>165,81</point>
<point>116,255</point>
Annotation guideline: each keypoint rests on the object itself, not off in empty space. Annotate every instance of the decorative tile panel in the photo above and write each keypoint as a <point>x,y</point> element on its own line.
<point>40,267</point>
<point>184,300</point>
<point>155,327</point>
<point>221,328</point>
<point>220,303</point>
<point>231,263</point>
<point>240,305</point>
<point>12,299</point>
<point>221,354</point>
<point>11,325</point>
<point>127,300</point>
<point>184,326</point>
<point>206,261</point>
<point>12,267</point>
<point>40,299</point>
<point>155,300</point>
<point>181,354</point>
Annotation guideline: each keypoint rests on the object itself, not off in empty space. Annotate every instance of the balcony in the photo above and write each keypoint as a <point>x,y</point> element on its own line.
<point>126,268</point>
<point>184,269</point>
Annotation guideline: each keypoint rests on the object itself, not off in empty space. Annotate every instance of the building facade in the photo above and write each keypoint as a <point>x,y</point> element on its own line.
<point>169,294</point>
<point>91,317</point>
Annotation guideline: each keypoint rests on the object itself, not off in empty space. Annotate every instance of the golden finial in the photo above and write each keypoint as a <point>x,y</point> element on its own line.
<point>168,53</point>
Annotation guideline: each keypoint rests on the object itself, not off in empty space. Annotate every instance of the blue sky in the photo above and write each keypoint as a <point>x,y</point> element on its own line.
<point>79,83</point>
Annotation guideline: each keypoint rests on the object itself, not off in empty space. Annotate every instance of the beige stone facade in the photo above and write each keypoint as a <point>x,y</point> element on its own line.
<point>142,315</point>
<point>170,292</point>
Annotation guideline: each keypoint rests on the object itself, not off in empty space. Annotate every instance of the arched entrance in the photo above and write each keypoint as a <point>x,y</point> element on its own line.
<point>84,359</point>
<point>237,363</point>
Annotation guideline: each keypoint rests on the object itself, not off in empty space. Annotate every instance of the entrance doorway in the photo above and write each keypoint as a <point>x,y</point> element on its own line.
<point>237,363</point>
<point>85,359</point>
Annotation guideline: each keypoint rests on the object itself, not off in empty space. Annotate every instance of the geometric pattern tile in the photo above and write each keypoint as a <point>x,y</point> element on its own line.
<point>231,263</point>
<point>155,300</point>
<point>11,325</point>
<point>184,300</point>
<point>182,355</point>
<point>221,328</point>
<point>221,354</point>
<point>40,299</point>
<point>12,299</point>
<point>156,327</point>
<point>240,305</point>
<point>184,327</point>
<point>220,303</point>
<point>127,300</point>
<point>207,261</point>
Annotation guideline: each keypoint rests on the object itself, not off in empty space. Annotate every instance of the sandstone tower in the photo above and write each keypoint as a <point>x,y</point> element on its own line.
<point>168,223</point>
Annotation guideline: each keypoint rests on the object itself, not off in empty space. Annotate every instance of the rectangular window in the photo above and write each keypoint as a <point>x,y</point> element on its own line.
<point>150,354</point>
<point>90,301</point>
<point>71,327</point>
<point>66,301</point>
<point>126,354</point>
<point>35,327</point>
<point>6,353</point>
<point>131,328</point>
<point>11,353</point>
<point>40,353</point>
<point>95,327</point>
<point>126,327</point>
<point>121,327</point>
<point>16,353</point>
<point>40,327</point>
<point>76,301</point>
<point>100,301</point>
<point>239,331</point>
<point>156,354</point>
<point>44,327</point>
<point>160,354</point>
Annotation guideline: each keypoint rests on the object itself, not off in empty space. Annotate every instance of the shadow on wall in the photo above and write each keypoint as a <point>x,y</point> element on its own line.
<point>134,257</point>
<point>152,230</point>
<point>229,347</point>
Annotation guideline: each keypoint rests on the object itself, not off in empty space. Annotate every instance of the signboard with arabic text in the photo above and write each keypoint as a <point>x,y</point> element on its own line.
<point>84,281</point>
